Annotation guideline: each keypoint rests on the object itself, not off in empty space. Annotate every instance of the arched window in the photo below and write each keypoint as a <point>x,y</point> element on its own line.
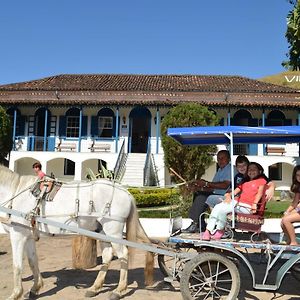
<point>241,118</point>
<point>275,118</point>
<point>103,125</point>
<point>72,122</point>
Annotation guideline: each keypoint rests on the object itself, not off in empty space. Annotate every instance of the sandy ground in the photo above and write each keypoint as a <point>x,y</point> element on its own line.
<point>63,282</point>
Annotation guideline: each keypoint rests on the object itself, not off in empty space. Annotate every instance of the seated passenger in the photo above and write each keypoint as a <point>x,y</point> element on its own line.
<point>241,164</point>
<point>247,195</point>
<point>218,186</point>
<point>292,214</point>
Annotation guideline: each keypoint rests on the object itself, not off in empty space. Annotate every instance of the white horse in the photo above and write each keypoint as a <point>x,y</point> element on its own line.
<point>84,203</point>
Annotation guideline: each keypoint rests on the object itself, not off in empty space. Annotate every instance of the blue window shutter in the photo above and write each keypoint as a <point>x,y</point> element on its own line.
<point>94,126</point>
<point>84,126</point>
<point>253,149</point>
<point>21,125</point>
<point>114,127</point>
<point>62,126</point>
<point>51,143</point>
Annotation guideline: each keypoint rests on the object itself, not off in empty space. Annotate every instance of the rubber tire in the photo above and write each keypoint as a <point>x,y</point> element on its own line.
<point>162,265</point>
<point>295,270</point>
<point>203,259</point>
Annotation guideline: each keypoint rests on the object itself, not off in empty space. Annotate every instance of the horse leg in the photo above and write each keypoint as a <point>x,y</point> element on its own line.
<point>107,256</point>
<point>33,263</point>
<point>18,241</point>
<point>122,253</point>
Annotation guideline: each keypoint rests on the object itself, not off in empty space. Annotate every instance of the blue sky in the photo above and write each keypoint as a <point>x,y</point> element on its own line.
<point>51,37</point>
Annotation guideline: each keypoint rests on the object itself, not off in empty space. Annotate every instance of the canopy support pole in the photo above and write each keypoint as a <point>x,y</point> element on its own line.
<point>230,137</point>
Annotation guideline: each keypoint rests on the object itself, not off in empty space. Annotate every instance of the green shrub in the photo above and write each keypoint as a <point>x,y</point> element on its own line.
<point>154,197</point>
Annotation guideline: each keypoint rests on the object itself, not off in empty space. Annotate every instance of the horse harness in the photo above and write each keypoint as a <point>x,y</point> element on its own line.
<point>41,195</point>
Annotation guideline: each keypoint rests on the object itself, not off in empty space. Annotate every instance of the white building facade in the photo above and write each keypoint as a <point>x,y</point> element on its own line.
<point>76,123</point>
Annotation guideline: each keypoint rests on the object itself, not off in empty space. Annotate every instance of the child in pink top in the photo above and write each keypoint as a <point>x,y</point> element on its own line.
<point>248,195</point>
<point>37,167</point>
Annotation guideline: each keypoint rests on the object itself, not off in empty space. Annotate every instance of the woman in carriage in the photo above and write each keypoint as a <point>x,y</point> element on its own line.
<point>248,194</point>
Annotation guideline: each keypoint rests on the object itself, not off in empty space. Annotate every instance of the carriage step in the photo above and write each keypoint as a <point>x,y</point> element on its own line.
<point>270,287</point>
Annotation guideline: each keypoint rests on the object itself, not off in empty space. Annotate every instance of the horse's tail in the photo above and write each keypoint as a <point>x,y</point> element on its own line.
<point>136,233</point>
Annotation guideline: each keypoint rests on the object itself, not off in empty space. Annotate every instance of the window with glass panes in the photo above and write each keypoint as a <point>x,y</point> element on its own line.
<point>72,129</point>
<point>105,126</point>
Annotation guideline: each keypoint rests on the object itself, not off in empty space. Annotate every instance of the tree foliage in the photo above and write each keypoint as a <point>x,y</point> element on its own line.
<point>293,37</point>
<point>5,135</point>
<point>188,161</point>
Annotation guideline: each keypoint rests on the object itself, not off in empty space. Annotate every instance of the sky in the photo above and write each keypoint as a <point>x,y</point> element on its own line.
<point>205,37</point>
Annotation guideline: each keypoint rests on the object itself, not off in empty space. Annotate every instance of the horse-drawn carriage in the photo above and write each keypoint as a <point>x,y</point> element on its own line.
<point>205,269</point>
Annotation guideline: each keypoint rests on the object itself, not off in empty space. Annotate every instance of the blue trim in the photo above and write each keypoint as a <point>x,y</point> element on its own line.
<point>80,129</point>
<point>263,125</point>
<point>228,118</point>
<point>157,129</point>
<point>117,130</point>
<point>45,130</point>
<point>14,129</point>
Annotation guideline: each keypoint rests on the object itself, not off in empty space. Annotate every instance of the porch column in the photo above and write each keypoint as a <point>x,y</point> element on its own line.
<point>14,129</point>
<point>117,130</point>
<point>157,129</point>
<point>228,117</point>
<point>80,130</point>
<point>45,130</point>
<point>78,170</point>
<point>263,118</point>
<point>263,124</point>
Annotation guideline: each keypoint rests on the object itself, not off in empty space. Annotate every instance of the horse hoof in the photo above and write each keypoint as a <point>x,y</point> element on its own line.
<point>29,296</point>
<point>90,294</point>
<point>114,296</point>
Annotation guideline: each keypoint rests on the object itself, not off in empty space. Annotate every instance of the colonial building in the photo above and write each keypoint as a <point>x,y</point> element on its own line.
<point>77,123</point>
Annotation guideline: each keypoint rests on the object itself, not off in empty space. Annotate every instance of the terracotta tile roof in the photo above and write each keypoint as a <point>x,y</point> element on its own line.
<point>154,83</point>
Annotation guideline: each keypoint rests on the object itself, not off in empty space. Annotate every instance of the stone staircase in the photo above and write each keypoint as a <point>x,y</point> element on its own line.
<point>134,173</point>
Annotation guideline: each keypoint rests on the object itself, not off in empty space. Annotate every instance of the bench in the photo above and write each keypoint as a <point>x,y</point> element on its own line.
<point>276,150</point>
<point>66,146</point>
<point>99,147</point>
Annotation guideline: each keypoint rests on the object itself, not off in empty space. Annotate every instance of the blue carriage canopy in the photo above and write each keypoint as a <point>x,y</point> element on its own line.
<point>218,135</point>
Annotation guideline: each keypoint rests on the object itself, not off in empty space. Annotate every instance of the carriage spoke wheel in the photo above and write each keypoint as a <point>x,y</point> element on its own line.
<point>171,266</point>
<point>210,276</point>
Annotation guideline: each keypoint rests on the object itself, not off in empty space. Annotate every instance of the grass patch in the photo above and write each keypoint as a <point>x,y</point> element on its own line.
<point>274,209</point>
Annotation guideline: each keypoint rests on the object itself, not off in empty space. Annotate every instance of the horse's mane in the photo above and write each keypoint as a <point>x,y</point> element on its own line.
<point>8,177</point>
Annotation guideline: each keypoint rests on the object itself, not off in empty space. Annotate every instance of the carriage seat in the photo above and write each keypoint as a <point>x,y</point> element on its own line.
<point>252,222</point>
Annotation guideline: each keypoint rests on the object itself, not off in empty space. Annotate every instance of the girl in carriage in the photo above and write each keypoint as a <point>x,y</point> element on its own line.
<point>247,195</point>
<point>292,214</point>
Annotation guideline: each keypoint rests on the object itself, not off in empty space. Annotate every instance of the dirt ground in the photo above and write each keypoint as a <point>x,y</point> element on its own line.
<point>63,282</point>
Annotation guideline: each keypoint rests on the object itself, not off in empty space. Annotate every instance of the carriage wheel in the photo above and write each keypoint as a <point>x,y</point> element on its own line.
<point>210,276</point>
<point>166,266</point>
